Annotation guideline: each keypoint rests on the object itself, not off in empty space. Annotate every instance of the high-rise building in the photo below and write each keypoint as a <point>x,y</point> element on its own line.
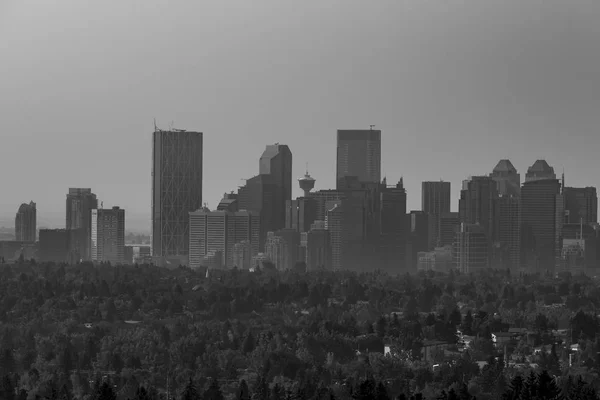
<point>435,201</point>
<point>276,161</point>
<point>470,248</point>
<point>448,226</point>
<point>478,202</point>
<point>54,245</point>
<point>581,205</point>
<point>508,232</point>
<point>176,191</point>
<point>508,180</point>
<point>345,221</point>
<point>26,223</point>
<point>540,170</point>
<point>317,244</point>
<point>108,235</point>
<point>242,255</point>
<point>80,203</point>
<point>358,156</point>
<point>220,231</point>
<point>393,226</point>
<point>418,238</point>
<point>258,196</point>
<point>541,223</point>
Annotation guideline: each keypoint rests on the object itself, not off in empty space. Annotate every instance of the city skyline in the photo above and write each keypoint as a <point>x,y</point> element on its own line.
<point>485,100</point>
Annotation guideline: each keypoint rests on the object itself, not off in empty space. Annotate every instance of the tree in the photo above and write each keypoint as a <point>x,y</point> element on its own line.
<point>381,392</point>
<point>141,394</point>
<point>547,388</point>
<point>214,391</point>
<point>190,392</point>
<point>105,392</point>
<point>366,390</point>
<point>243,392</point>
<point>261,391</point>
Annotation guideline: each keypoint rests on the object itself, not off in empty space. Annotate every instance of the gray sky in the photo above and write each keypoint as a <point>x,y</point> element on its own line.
<point>454,86</point>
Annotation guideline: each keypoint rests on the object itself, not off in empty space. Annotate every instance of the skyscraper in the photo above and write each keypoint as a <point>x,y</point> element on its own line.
<point>80,203</point>
<point>581,205</point>
<point>479,201</point>
<point>26,223</point>
<point>540,170</point>
<point>220,231</point>
<point>176,191</point>
<point>541,223</point>
<point>508,180</point>
<point>276,161</point>
<point>108,235</point>
<point>508,231</point>
<point>435,201</point>
<point>359,156</point>
<point>393,228</point>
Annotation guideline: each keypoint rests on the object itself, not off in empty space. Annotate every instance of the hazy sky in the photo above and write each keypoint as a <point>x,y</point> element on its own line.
<point>454,86</point>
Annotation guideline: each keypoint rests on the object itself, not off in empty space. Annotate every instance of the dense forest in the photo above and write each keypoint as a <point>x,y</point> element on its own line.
<point>141,332</point>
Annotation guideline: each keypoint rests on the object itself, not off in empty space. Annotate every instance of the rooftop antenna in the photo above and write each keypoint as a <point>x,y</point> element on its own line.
<point>372,126</point>
<point>155,128</point>
<point>307,168</point>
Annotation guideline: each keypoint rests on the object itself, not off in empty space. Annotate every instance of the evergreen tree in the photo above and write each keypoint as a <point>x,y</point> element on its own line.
<point>243,392</point>
<point>516,389</point>
<point>277,392</point>
<point>8,388</point>
<point>65,393</point>
<point>381,392</point>
<point>105,392</point>
<point>531,387</point>
<point>141,394</point>
<point>547,388</point>
<point>463,393</point>
<point>190,392</point>
<point>366,390</point>
<point>214,391</point>
<point>261,391</point>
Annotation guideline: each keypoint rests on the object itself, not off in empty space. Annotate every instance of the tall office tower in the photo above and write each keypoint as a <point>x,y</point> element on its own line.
<point>26,223</point>
<point>479,201</point>
<point>54,245</point>
<point>470,248</point>
<point>539,170</point>
<point>507,179</point>
<point>435,201</point>
<point>80,203</point>
<point>276,161</point>
<point>418,236</point>
<point>581,205</point>
<point>220,231</point>
<point>393,228</point>
<point>359,156</point>
<point>176,191</point>
<point>541,223</point>
<point>108,235</point>
<point>258,196</point>
<point>508,232</point>
<point>317,245</point>
<point>448,226</point>
<point>345,220</point>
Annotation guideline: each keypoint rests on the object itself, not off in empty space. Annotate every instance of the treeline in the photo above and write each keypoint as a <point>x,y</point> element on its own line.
<point>75,331</point>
